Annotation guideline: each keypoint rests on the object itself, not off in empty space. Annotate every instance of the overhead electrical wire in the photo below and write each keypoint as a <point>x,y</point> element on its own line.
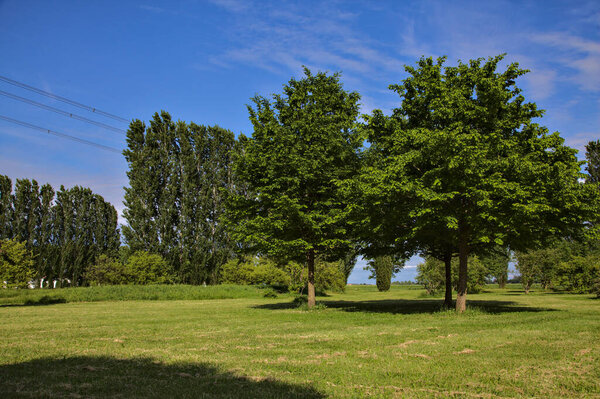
<point>63,99</point>
<point>60,111</point>
<point>63,135</point>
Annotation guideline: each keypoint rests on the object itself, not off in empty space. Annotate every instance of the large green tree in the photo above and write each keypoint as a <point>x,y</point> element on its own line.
<point>179,176</point>
<point>466,158</point>
<point>303,144</point>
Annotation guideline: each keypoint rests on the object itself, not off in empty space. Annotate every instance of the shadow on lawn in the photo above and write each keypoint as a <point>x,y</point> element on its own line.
<point>411,306</point>
<point>45,300</point>
<point>141,378</point>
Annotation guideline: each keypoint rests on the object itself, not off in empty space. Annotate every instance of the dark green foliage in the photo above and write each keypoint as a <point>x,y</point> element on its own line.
<point>383,268</point>
<point>464,167</point>
<point>179,176</point>
<point>16,264</point>
<point>496,265</point>
<point>65,231</point>
<point>146,268</point>
<point>348,262</point>
<point>592,155</point>
<point>579,274</point>
<point>106,271</point>
<point>303,144</point>
<point>86,227</point>
<point>6,207</point>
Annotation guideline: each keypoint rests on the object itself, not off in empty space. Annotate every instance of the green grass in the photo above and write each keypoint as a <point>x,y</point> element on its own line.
<point>127,293</point>
<point>359,344</point>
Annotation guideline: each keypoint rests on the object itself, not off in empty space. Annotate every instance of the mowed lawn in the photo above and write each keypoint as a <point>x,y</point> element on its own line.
<point>363,344</point>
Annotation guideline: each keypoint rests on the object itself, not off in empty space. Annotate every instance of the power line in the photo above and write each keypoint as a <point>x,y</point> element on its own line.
<point>60,111</point>
<point>63,135</point>
<point>63,99</point>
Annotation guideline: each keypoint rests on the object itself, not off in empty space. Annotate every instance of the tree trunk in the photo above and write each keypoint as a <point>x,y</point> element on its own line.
<point>448,267</point>
<point>310,263</point>
<point>463,256</point>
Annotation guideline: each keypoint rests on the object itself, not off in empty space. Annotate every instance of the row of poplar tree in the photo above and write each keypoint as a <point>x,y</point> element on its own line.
<point>64,230</point>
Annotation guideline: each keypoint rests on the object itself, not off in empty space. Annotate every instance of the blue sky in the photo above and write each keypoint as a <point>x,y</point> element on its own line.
<point>202,61</point>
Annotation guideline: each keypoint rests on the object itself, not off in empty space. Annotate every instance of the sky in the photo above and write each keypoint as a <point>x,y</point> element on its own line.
<point>202,61</point>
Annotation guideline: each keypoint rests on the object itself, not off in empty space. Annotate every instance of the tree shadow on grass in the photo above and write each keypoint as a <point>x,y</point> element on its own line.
<point>87,376</point>
<point>412,306</point>
<point>45,300</point>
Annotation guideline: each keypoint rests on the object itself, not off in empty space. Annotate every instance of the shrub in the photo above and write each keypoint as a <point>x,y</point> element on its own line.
<point>16,264</point>
<point>106,271</point>
<point>328,277</point>
<point>145,268</point>
<point>257,272</point>
<point>580,274</point>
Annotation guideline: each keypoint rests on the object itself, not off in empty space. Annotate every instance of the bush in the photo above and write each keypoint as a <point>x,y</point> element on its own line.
<point>107,271</point>
<point>16,264</point>
<point>145,268</point>
<point>580,274</point>
<point>328,277</point>
<point>258,272</point>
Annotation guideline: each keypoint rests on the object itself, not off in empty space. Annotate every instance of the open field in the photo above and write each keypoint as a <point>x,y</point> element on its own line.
<point>364,344</point>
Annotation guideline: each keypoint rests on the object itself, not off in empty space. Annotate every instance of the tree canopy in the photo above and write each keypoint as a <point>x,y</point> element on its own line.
<point>303,144</point>
<point>463,166</point>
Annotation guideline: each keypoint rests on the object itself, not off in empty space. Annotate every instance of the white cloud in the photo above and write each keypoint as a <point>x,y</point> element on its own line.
<point>577,53</point>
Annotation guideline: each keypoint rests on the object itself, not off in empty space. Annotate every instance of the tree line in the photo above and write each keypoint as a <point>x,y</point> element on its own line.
<point>461,170</point>
<point>64,231</point>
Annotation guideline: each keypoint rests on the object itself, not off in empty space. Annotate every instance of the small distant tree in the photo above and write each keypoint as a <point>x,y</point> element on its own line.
<point>383,269</point>
<point>16,264</point>
<point>592,155</point>
<point>431,275</point>
<point>348,262</point>
<point>496,265</point>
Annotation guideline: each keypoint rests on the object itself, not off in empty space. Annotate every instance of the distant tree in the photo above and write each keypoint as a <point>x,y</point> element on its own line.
<point>539,266</point>
<point>592,155</point>
<point>348,262</point>
<point>464,156</point>
<point>6,207</point>
<point>496,264</point>
<point>578,274</point>
<point>383,269</point>
<point>303,144</point>
<point>86,227</point>
<point>432,275</point>
<point>16,264</point>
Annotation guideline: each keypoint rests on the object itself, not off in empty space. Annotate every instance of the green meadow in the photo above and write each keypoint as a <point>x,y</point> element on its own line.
<point>231,342</point>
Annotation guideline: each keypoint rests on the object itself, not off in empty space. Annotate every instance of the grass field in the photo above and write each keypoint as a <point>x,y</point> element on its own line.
<point>363,344</point>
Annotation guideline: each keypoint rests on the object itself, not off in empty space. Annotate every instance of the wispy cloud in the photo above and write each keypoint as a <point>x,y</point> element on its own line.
<point>577,53</point>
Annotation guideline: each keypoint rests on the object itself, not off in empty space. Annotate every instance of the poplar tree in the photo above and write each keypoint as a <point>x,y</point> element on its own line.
<point>6,207</point>
<point>179,175</point>
<point>303,144</point>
